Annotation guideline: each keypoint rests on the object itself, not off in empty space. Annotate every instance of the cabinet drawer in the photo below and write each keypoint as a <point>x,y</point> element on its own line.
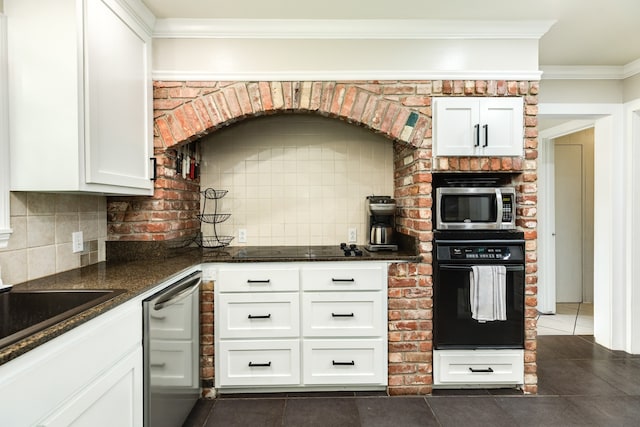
<point>339,278</point>
<point>342,314</point>
<point>255,363</point>
<point>478,367</point>
<point>345,362</point>
<point>258,279</point>
<point>259,315</point>
<point>172,363</point>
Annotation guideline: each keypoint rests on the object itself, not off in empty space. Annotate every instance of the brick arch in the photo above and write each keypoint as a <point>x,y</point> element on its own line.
<point>401,110</point>
<point>184,114</point>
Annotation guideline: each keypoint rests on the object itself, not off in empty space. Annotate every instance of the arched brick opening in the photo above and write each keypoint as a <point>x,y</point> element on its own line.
<point>400,110</point>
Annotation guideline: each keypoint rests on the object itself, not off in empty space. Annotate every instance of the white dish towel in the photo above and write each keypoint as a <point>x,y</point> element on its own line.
<point>488,292</point>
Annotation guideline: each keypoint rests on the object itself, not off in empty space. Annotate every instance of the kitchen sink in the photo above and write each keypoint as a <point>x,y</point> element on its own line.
<point>23,313</point>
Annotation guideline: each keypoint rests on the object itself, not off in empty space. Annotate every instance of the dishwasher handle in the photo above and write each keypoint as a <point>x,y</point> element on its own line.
<point>181,289</point>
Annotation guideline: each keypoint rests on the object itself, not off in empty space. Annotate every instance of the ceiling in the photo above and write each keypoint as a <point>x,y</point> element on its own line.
<point>605,33</point>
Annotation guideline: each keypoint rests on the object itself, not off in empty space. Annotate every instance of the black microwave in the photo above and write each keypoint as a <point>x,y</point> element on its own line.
<point>475,208</point>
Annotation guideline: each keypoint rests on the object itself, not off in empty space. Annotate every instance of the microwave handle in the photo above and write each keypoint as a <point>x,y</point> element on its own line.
<point>499,203</point>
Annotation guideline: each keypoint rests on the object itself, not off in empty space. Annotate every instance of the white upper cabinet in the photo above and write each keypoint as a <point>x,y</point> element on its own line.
<point>80,96</point>
<point>468,126</point>
<point>5,221</point>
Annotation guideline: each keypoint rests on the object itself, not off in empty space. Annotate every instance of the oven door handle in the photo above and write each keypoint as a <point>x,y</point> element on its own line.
<point>468,267</point>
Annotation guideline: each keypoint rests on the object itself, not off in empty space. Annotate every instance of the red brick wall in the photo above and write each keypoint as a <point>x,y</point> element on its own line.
<point>185,111</point>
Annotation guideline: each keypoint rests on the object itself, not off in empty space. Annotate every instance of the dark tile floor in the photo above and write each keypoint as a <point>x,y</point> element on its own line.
<point>579,384</point>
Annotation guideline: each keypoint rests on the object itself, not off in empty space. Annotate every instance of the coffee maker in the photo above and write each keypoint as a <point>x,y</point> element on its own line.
<point>381,215</point>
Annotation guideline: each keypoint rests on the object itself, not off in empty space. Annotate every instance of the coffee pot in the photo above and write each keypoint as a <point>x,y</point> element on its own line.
<point>381,211</point>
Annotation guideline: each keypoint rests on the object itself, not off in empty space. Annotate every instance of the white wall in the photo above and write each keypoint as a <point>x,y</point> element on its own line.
<point>580,91</point>
<point>356,49</point>
<point>267,59</point>
<point>631,88</point>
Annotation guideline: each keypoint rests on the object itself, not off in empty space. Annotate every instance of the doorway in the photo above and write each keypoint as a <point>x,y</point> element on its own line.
<point>572,180</point>
<point>573,170</point>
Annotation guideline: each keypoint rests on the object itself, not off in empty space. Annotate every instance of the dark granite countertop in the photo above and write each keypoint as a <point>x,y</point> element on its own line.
<point>139,276</point>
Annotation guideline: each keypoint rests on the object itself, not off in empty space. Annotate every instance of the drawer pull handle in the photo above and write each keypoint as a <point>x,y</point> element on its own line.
<point>158,365</point>
<point>156,316</point>
<point>342,315</point>
<point>266,316</point>
<point>352,363</point>
<point>259,365</point>
<point>343,280</point>
<point>481,370</point>
<point>259,281</point>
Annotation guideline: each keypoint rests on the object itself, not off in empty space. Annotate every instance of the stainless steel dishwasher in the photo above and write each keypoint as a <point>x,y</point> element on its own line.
<point>171,346</point>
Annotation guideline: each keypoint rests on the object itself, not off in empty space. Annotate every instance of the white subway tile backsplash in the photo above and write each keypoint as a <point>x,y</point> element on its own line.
<point>296,179</point>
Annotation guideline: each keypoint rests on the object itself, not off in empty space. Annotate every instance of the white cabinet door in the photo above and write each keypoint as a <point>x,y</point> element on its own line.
<point>456,126</point>
<point>80,103</point>
<point>466,126</point>
<point>117,94</point>
<point>502,121</point>
<point>110,400</point>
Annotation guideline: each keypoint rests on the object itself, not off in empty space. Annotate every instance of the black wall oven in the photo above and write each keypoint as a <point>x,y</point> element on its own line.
<point>455,255</point>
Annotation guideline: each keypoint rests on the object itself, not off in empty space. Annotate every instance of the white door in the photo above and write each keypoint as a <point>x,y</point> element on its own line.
<point>568,209</point>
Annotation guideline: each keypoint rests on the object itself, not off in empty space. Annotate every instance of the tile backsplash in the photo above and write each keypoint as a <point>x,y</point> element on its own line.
<point>41,243</point>
<point>295,179</point>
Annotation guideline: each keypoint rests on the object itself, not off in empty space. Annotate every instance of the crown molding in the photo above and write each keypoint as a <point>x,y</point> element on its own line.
<point>140,13</point>
<point>590,72</point>
<point>351,75</point>
<point>631,69</point>
<point>350,29</point>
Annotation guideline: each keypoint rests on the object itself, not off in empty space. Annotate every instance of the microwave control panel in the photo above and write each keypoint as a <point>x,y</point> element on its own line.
<point>507,207</point>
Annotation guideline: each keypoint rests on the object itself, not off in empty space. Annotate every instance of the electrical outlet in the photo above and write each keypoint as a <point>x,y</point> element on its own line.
<point>78,241</point>
<point>242,235</point>
<point>353,236</point>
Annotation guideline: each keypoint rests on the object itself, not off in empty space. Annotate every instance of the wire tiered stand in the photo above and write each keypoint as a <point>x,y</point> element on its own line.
<point>214,241</point>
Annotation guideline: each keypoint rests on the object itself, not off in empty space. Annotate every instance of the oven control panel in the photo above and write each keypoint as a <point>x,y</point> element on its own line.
<point>480,252</point>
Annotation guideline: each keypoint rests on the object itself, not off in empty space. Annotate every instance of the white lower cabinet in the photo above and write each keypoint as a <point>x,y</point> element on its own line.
<point>110,397</point>
<point>345,362</point>
<point>259,363</point>
<point>478,367</point>
<point>342,314</point>
<point>303,326</point>
<point>91,375</point>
